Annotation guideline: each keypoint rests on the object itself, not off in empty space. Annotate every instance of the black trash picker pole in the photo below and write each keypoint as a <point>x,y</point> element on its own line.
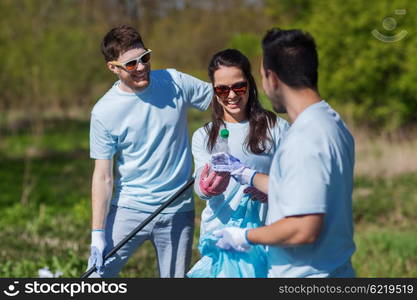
<point>140,226</point>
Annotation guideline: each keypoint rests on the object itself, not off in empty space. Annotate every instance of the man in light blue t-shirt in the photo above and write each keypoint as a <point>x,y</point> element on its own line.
<point>139,129</point>
<point>309,230</point>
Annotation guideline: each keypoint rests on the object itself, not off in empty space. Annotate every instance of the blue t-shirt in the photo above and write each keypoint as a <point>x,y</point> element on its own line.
<point>219,209</point>
<point>312,172</point>
<point>147,134</point>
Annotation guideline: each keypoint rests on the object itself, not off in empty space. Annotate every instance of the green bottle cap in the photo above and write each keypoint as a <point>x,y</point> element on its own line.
<point>224,133</point>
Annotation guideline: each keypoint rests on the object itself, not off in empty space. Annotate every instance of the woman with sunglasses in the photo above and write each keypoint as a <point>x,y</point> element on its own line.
<point>254,135</point>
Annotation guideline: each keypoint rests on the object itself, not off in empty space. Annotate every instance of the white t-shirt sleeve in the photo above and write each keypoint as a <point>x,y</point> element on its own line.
<point>198,93</point>
<point>102,146</point>
<point>199,148</point>
<point>201,157</point>
<point>305,178</point>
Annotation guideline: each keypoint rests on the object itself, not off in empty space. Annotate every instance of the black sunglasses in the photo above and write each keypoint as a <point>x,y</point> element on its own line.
<point>239,88</point>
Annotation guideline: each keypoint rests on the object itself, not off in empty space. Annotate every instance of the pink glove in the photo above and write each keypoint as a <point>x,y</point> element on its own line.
<point>213,183</point>
<point>256,194</point>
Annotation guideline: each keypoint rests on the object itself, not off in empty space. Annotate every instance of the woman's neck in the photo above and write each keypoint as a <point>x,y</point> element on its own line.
<point>234,118</point>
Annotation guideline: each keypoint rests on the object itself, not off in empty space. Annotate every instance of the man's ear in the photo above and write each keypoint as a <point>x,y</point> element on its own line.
<point>113,68</point>
<point>274,80</point>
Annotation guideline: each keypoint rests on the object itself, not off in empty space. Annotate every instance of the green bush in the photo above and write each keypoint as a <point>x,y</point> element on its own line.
<point>373,79</point>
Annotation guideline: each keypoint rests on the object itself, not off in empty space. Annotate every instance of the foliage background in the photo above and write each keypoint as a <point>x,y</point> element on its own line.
<point>52,73</point>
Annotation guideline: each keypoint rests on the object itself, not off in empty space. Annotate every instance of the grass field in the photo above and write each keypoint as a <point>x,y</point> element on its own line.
<point>45,204</point>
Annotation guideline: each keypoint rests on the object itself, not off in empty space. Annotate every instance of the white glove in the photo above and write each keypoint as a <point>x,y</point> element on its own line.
<point>224,162</point>
<point>98,243</point>
<point>232,238</point>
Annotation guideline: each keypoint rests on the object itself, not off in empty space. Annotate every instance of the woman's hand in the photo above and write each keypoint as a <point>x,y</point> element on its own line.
<point>213,183</point>
<point>256,194</point>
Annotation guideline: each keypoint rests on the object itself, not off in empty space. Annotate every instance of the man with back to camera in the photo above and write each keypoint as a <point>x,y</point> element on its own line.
<point>309,229</point>
<point>140,127</point>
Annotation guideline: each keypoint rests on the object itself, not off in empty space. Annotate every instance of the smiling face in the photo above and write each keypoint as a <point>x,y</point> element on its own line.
<point>234,104</point>
<point>136,80</point>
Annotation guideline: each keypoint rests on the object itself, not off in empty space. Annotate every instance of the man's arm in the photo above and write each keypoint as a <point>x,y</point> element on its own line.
<point>260,181</point>
<point>199,94</point>
<point>101,191</point>
<point>290,231</point>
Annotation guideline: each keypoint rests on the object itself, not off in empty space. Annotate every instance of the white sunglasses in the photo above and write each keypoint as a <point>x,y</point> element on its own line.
<point>132,64</point>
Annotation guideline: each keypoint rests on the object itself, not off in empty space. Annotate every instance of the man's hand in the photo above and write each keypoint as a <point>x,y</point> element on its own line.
<point>256,194</point>
<point>223,162</point>
<point>213,183</point>
<point>98,243</point>
<point>232,238</point>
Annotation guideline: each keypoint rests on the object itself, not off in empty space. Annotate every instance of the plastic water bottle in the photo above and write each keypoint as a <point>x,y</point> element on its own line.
<point>221,143</point>
<point>221,146</point>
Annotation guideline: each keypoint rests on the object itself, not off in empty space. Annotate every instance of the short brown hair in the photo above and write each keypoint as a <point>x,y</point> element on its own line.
<point>119,40</point>
<point>292,55</point>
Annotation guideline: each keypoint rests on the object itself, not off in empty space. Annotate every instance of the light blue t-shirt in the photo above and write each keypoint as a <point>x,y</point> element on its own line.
<point>147,134</point>
<point>219,209</point>
<point>312,172</point>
